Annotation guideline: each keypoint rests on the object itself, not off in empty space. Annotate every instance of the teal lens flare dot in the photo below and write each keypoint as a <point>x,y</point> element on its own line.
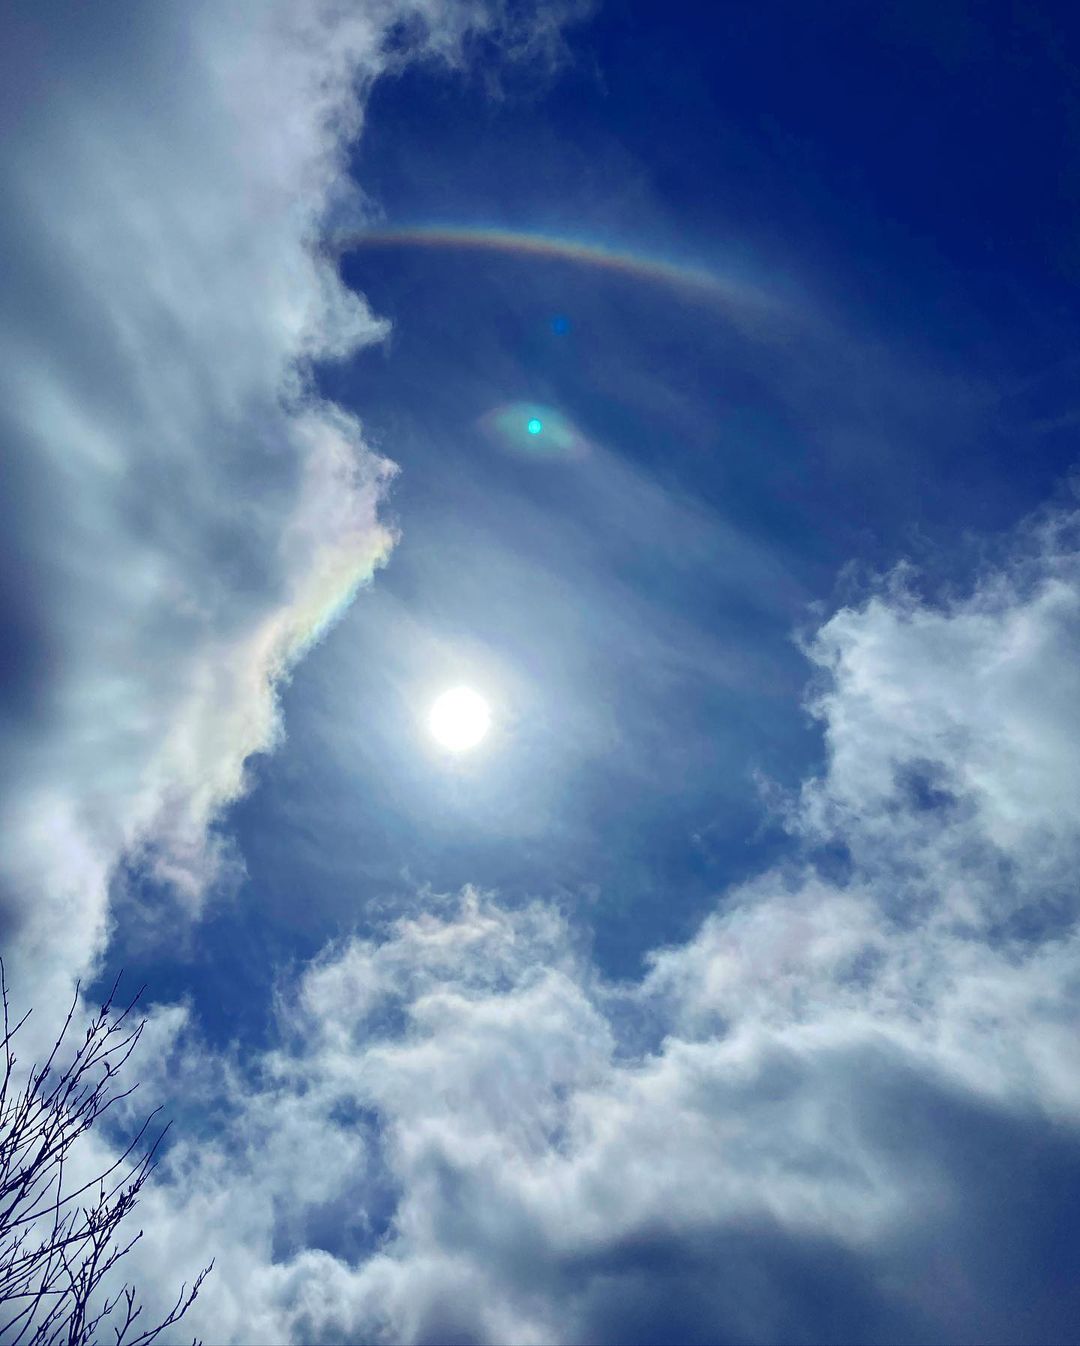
<point>534,426</point>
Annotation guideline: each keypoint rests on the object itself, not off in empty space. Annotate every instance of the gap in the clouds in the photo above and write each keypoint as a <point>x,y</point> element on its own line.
<point>347,1225</point>
<point>918,248</point>
<point>635,833</point>
<point>637,603</point>
<point>626,788</point>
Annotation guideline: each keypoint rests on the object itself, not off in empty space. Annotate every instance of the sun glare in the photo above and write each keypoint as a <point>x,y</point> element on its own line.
<point>459,719</point>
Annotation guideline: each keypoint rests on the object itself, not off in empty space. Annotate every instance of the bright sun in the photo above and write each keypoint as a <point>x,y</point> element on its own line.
<point>459,719</point>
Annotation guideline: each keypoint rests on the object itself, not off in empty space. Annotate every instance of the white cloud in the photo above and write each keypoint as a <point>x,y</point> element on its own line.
<point>980,697</point>
<point>183,513</point>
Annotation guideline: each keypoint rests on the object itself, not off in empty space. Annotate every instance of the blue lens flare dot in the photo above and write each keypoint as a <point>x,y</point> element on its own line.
<point>534,426</point>
<point>560,325</point>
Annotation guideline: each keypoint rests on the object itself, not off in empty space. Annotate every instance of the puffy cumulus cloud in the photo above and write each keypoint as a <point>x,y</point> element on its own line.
<point>847,1109</point>
<point>182,513</point>
<point>969,709</point>
<point>950,805</point>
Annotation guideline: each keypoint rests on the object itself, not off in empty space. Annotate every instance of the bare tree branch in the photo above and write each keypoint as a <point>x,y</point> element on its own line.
<point>57,1255</point>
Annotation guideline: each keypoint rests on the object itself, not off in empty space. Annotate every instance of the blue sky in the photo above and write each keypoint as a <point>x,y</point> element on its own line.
<point>728,990</point>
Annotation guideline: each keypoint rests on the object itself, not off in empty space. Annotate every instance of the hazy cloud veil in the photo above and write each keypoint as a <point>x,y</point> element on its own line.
<point>465,1132</point>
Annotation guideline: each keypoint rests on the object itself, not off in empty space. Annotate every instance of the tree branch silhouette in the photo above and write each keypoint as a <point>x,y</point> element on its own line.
<point>60,1243</point>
